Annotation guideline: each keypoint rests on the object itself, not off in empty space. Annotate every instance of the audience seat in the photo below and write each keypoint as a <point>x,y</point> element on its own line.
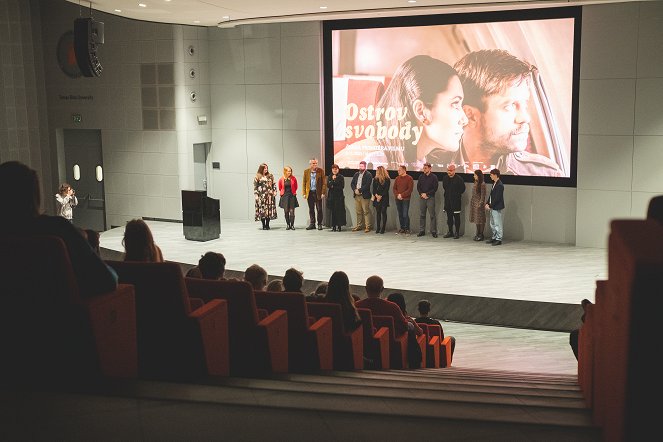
<point>348,347</point>
<point>257,346</point>
<point>432,359</point>
<point>397,344</point>
<point>51,331</point>
<point>446,355</point>
<point>376,342</point>
<point>310,346</point>
<point>174,342</point>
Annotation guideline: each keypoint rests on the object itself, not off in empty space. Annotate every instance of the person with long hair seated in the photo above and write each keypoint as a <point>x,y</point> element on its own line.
<point>139,243</point>
<point>25,219</point>
<point>338,292</point>
<point>424,102</point>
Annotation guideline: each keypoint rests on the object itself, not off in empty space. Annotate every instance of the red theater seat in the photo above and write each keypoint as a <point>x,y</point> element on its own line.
<point>257,346</point>
<point>174,342</point>
<point>446,355</point>
<point>376,341</point>
<point>397,344</point>
<point>51,331</point>
<point>348,347</point>
<point>309,346</point>
<point>432,359</point>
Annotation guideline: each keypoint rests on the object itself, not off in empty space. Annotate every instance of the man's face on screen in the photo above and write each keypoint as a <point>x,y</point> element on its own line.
<point>505,121</point>
<point>447,118</point>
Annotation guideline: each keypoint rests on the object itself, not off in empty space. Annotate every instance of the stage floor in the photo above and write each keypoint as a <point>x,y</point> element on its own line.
<point>522,270</point>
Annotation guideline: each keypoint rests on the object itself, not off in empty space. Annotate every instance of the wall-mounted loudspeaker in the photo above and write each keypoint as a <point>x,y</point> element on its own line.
<point>88,35</point>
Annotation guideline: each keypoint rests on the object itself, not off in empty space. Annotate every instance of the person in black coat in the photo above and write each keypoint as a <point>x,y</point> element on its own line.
<point>454,186</point>
<point>336,199</point>
<point>380,198</point>
<point>496,205</point>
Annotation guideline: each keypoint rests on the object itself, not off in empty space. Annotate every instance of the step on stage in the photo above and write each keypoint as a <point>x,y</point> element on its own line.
<point>518,284</point>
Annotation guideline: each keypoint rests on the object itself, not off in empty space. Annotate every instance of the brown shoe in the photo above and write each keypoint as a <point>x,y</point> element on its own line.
<point>357,228</point>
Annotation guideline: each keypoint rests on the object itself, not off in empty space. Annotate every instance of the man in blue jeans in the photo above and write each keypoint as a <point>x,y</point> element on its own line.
<point>496,205</point>
<point>403,187</point>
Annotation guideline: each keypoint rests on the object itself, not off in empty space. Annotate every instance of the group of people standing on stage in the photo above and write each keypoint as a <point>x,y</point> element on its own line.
<point>368,191</point>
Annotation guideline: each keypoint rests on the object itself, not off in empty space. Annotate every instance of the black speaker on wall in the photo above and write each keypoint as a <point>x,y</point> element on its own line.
<point>88,35</point>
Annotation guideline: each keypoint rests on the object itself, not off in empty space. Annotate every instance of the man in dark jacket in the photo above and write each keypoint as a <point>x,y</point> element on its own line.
<point>454,186</point>
<point>427,185</point>
<point>496,205</point>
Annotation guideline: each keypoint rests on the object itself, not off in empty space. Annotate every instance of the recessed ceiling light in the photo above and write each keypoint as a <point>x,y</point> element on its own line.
<point>323,7</point>
<point>412,1</point>
<point>225,17</point>
<point>142,5</point>
<point>196,21</point>
<point>118,10</point>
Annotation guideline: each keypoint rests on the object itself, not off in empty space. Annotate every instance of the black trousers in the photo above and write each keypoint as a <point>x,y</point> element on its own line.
<point>314,204</point>
<point>453,219</point>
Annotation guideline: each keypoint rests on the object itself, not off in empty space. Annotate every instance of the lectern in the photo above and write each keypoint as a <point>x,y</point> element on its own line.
<point>201,216</point>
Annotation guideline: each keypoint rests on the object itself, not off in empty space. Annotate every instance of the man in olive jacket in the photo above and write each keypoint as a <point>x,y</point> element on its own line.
<point>314,189</point>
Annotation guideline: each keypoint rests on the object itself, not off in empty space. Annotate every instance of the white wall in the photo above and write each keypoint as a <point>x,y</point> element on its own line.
<point>259,87</point>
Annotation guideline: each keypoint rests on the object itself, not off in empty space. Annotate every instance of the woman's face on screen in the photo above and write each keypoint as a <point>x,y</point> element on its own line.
<point>447,118</point>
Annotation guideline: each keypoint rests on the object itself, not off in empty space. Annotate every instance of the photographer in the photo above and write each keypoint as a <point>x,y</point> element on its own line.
<point>66,201</point>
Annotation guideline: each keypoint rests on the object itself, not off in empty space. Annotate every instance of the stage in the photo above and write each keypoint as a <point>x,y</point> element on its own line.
<point>518,284</point>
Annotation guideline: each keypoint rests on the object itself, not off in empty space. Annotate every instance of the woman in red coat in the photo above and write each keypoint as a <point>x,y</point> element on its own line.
<point>288,192</point>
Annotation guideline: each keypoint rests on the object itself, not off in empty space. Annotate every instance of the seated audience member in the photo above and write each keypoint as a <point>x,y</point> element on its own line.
<point>399,300</point>
<point>574,334</point>
<point>655,209</point>
<point>25,219</point>
<point>338,292</point>
<point>211,265</point>
<point>382,307</point>
<point>319,293</point>
<point>414,354</point>
<point>424,311</point>
<point>293,280</point>
<point>92,237</point>
<point>139,243</point>
<point>275,285</point>
<point>256,276</point>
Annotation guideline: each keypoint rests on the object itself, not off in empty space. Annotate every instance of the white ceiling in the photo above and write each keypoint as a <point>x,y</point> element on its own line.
<point>228,13</point>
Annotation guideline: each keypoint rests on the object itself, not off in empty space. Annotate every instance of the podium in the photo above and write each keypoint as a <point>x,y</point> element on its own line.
<point>201,216</point>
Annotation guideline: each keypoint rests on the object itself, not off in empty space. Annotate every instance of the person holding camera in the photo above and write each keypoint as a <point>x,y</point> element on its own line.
<point>66,200</point>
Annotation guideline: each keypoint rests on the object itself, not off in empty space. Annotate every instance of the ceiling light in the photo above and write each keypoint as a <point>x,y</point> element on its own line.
<point>225,17</point>
<point>196,21</point>
<point>118,10</point>
<point>142,5</point>
<point>323,7</point>
<point>412,1</point>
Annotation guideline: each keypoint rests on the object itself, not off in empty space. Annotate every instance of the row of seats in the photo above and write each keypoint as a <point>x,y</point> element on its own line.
<point>160,325</point>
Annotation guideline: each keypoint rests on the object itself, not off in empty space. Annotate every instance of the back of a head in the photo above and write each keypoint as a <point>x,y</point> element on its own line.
<point>256,276</point>
<point>293,280</point>
<point>424,307</point>
<point>212,265</point>
<point>93,239</point>
<point>321,289</point>
<point>23,183</point>
<point>138,242</point>
<point>398,299</point>
<point>655,209</point>
<point>374,286</point>
<point>338,287</point>
<point>275,285</point>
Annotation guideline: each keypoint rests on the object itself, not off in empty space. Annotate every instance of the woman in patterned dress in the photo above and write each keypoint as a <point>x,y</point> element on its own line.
<point>264,191</point>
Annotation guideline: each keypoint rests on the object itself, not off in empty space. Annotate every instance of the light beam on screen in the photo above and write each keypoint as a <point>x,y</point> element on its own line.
<point>394,98</point>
